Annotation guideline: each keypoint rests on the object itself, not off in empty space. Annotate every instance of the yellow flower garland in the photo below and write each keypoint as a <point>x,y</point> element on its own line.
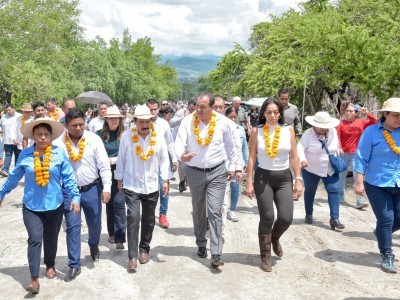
<point>151,150</point>
<point>210,133</point>
<point>42,170</point>
<point>81,146</point>
<point>54,115</point>
<point>22,120</point>
<point>272,151</point>
<point>391,142</point>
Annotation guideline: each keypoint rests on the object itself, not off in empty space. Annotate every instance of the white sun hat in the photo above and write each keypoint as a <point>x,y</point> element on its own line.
<point>56,127</point>
<point>392,104</point>
<point>322,120</point>
<point>113,112</point>
<point>142,112</point>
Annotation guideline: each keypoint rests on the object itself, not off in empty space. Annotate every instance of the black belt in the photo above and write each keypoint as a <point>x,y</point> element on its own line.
<point>85,188</point>
<point>205,169</point>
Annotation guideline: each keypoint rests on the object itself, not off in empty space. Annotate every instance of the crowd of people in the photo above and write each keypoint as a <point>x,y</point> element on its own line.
<point>125,159</point>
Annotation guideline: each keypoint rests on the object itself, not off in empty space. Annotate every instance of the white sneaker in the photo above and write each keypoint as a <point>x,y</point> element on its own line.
<point>232,216</point>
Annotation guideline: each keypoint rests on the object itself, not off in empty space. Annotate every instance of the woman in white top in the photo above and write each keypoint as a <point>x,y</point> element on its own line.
<point>273,145</point>
<point>315,163</point>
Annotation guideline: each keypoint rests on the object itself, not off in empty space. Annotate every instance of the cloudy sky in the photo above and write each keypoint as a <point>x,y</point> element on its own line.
<point>179,27</point>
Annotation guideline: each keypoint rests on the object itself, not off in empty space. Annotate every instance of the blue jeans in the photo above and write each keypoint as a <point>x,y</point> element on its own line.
<point>348,159</point>
<point>310,188</point>
<point>385,203</point>
<point>234,194</point>
<point>9,150</point>
<point>163,200</point>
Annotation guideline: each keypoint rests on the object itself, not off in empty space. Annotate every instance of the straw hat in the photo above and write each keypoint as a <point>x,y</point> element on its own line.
<point>392,104</point>
<point>113,112</point>
<point>27,107</point>
<point>322,120</point>
<point>142,112</point>
<point>57,128</point>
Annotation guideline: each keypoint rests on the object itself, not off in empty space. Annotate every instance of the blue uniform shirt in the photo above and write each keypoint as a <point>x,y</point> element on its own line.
<point>50,197</point>
<point>374,158</point>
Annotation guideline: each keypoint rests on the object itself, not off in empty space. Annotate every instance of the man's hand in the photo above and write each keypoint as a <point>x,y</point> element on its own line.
<point>187,156</point>
<point>175,166</point>
<point>230,175</point>
<point>75,206</point>
<point>239,177</point>
<point>120,187</point>
<point>304,164</point>
<point>165,188</point>
<point>105,197</point>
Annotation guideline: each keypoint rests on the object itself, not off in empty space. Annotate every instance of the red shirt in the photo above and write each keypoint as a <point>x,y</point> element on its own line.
<point>349,133</point>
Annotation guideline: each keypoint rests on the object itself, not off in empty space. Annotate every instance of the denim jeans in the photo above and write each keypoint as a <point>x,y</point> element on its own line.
<point>9,150</point>
<point>235,187</point>
<point>331,183</point>
<point>385,203</point>
<point>163,200</point>
<point>348,159</point>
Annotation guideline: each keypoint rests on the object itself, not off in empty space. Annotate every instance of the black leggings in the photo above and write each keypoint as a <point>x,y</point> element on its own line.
<point>270,187</point>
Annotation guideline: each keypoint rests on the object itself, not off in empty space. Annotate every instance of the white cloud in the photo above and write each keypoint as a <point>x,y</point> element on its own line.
<point>180,26</point>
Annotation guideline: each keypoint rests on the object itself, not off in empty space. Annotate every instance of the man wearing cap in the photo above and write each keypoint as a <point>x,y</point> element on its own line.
<point>290,111</point>
<point>142,155</point>
<point>164,130</point>
<point>349,132</point>
<point>201,138</point>
<point>98,122</point>
<point>88,158</point>
<point>9,126</point>
<point>53,111</point>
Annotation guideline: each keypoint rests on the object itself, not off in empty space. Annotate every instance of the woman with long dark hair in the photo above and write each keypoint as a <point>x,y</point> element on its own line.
<point>274,146</point>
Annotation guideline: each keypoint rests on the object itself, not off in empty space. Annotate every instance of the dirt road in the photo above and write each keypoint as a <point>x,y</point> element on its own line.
<point>318,263</point>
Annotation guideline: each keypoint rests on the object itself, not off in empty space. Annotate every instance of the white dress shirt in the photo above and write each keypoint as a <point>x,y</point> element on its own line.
<point>138,175</point>
<point>163,129</point>
<point>238,146</point>
<point>310,149</point>
<point>213,154</point>
<point>96,124</point>
<point>9,127</point>
<point>94,161</point>
<point>20,137</point>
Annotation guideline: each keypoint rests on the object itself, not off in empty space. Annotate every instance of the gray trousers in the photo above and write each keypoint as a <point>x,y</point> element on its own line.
<point>133,219</point>
<point>208,190</point>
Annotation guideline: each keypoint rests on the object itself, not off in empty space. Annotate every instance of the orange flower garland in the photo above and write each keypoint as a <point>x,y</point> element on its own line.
<point>42,170</point>
<point>210,133</point>
<point>54,115</point>
<point>22,120</point>
<point>151,150</point>
<point>272,151</point>
<point>81,146</point>
<point>391,142</point>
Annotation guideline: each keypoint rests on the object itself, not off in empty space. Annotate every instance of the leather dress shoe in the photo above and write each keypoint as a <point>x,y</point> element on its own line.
<point>51,273</point>
<point>216,261</point>
<point>72,273</point>
<point>33,287</point>
<point>95,253</point>
<point>182,186</point>
<point>202,252</point>
<point>132,264</point>
<point>308,219</point>
<point>144,258</point>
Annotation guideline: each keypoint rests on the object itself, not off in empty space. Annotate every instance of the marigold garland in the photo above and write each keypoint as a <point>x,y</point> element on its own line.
<point>391,142</point>
<point>54,115</point>
<point>42,170</point>
<point>271,150</point>
<point>151,150</point>
<point>210,133</point>
<point>22,120</point>
<point>81,146</point>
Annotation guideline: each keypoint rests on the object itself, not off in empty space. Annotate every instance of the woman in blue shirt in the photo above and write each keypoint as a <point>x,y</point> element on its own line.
<point>44,167</point>
<point>377,163</point>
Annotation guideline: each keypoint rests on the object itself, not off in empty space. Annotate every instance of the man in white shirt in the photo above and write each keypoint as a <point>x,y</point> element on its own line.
<point>9,127</point>
<point>88,158</point>
<point>142,156</point>
<point>242,115</point>
<point>163,129</point>
<point>201,137</point>
<point>98,122</point>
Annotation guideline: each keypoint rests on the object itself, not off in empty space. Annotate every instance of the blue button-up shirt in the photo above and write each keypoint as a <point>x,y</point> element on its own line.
<point>374,158</point>
<point>50,197</point>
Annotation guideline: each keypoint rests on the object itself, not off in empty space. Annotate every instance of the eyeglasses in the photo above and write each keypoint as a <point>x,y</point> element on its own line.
<point>164,104</point>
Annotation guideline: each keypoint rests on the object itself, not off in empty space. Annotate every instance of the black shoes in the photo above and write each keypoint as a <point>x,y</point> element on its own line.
<point>308,219</point>
<point>72,273</point>
<point>95,253</point>
<point>182,186</point>
<point>216,261</point>
<point>335,224</point>
<point>202,252</point>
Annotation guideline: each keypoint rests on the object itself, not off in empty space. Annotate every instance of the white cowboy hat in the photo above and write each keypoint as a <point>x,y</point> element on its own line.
<point>322,120</point>
<point>56,128</point>
<point>392,104</point>
<point>142,112</point>
<point>113,112</point>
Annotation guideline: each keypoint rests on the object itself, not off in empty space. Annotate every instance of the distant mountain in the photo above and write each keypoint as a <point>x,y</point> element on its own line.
<point>191,67</point>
